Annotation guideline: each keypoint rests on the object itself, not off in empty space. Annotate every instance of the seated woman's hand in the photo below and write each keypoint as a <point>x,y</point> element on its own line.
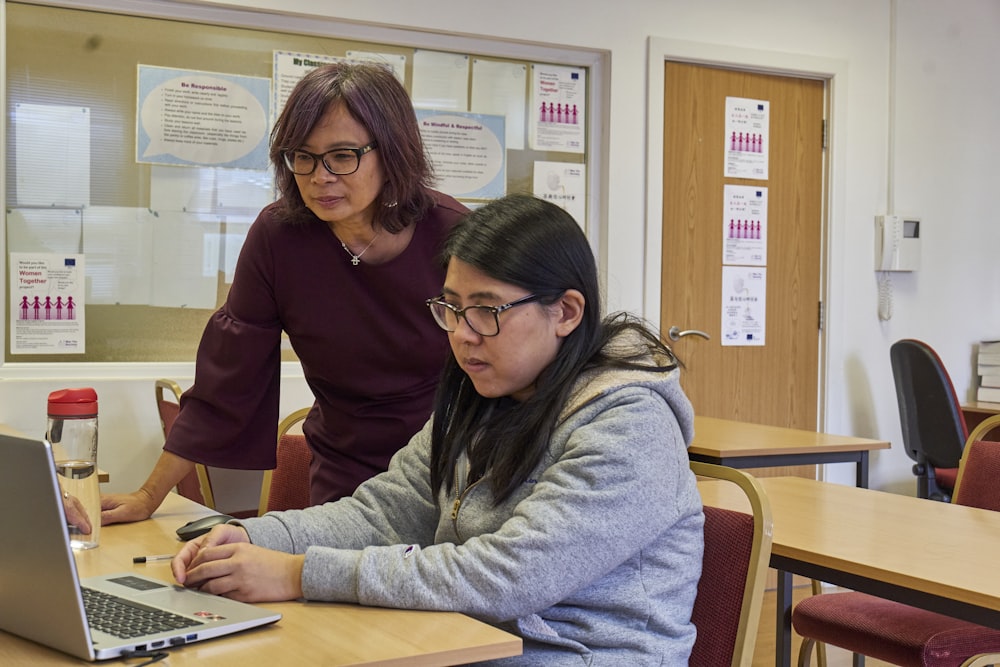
<point>223,562</point>
<point>76,514</point>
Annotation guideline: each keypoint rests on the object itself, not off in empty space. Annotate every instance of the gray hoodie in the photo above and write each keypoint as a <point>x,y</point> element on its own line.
<point>594,561</point>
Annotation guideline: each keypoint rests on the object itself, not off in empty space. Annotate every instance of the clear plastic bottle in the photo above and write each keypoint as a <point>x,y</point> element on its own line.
<point>72,432</point>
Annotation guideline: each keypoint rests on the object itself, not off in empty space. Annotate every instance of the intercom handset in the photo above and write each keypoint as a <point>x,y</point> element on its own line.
<point>897,243</point>
<point>888,235</point>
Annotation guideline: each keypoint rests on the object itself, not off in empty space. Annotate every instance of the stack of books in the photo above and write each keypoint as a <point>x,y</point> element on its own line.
<point>989,371</point>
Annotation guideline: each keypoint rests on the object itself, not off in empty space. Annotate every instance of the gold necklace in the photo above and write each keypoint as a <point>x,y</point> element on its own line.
<point>356,259</point>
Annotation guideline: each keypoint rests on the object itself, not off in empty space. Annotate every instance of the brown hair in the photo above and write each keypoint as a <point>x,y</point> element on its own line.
<point>374,97</point>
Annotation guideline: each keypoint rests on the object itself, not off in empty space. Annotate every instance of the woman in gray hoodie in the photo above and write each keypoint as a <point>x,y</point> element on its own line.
<point>549,494</point>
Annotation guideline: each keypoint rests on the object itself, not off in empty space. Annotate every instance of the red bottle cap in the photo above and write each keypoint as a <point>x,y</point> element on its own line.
<point>73,403</point>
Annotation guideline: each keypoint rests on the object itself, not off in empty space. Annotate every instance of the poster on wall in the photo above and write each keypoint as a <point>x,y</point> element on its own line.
<point>192,118</point>
<point>565,184</point>
<point>557,109</point>
<point>744,225</point>
<point>746,140</point>
<point>47,303</point>
<point>501,88</point>
<point>440,80</point>
<point>744,305</point>
<point>289,67</point>
<point>42,131</point>
<point>467,152</point>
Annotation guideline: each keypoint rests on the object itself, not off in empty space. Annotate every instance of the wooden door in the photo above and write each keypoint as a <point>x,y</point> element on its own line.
<point>776,383</point>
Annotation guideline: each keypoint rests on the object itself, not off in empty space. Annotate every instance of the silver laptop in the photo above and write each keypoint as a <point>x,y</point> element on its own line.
<point>42,596</point>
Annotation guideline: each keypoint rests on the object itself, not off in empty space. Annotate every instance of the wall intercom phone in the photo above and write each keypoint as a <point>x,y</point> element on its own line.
<point>897,243</point>
<point>897,248</point>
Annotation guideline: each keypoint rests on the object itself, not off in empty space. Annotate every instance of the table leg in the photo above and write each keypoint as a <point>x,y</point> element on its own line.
<point>862,471</point>
<point>783,620</point>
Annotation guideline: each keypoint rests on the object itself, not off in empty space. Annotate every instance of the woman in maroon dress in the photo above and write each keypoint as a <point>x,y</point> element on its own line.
<point>342,263</point>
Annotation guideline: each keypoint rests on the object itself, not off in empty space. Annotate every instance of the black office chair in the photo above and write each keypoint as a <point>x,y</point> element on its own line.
<point>934,429</point>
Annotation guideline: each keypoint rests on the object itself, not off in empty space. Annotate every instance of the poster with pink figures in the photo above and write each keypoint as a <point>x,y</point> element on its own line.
<point>746,139</point>
<point>556,112</point>
<point>744,225</point>
<point>47,303</point>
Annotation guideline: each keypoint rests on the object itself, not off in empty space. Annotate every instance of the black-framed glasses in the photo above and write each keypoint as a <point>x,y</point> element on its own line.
<point>484,320</point>
<point>339,162</point>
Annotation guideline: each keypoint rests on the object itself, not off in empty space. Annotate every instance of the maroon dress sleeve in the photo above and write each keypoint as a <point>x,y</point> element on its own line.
<point>229,417</point>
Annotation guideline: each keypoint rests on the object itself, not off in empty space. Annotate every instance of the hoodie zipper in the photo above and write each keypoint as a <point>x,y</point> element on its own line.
<point>458,503</point>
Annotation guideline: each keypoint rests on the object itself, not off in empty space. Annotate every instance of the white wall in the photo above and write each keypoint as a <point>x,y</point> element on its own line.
<point>944,97</point>
<point>130,438</point>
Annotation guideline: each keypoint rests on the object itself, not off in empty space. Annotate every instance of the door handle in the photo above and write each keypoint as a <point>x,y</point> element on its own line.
<point>676,334</point>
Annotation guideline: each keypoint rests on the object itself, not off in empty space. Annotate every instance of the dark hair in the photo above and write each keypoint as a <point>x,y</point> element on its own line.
<point>374,97</point>
<point>536,245</point>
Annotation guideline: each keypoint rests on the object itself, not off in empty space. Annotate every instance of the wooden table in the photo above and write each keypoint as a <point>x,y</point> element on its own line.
<point>309,633</point>
<point>923,553</point>
<point>744,445</point>
<point>977,411</point>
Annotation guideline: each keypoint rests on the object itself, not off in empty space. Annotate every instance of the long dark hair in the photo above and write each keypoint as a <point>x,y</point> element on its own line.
<point>536,245</point>
<point>374,97</point>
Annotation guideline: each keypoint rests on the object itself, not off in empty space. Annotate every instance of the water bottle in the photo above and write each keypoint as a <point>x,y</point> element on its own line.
<point>72,432</point>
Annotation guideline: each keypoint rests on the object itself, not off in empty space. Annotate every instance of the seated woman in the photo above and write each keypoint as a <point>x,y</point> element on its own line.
<point>549,494</point>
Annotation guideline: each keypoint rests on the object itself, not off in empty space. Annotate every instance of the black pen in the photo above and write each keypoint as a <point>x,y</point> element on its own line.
<point>146,559</point>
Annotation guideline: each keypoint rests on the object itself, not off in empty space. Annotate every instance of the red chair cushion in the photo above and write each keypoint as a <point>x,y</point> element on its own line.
<point>946,477</point>
<point>290,480</point>
<point>982,470</point>
<point>890,631</point>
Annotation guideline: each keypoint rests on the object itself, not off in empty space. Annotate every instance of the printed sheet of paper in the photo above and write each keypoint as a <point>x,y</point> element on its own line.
<point>565,184</point>
<point>467,152</point>
<point>744,305</point>
<point>187,256</point>
<point>210,190</point>
<point>747,142</point>
<point>500,88</point>
<point>47,303</point>
<point>118,244</point>
<point>440,80</point>
<point>289,67</point>
<point>41,230</point>
<point>744,225</point>
<point>394,61</point>
<point>558,108</point>
<point>188,117</point>
<point>53,155</point>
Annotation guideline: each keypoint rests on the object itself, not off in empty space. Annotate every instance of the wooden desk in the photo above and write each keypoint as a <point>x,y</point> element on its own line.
<point>920,552</point>
<point>744,445</point>
<point>977,411</point>
<point>312,633</point>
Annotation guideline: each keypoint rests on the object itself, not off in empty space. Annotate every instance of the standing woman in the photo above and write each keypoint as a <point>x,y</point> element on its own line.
<point>341,263</point>
<point>550,494</point>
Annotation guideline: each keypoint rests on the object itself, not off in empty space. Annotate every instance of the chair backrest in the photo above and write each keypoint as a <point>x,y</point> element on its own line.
<point>979,469</point>
<point>934,430</point>
<point>287,486</point>
<point>733,574</point>
<point>196,485</point>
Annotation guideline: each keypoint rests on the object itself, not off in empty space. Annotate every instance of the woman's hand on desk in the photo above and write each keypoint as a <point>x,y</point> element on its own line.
<point>140,505</point>
<point>224,562</point>
<point>127,507</point>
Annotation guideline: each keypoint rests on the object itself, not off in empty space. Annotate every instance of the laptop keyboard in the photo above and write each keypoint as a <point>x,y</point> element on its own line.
<point>127,619</point>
